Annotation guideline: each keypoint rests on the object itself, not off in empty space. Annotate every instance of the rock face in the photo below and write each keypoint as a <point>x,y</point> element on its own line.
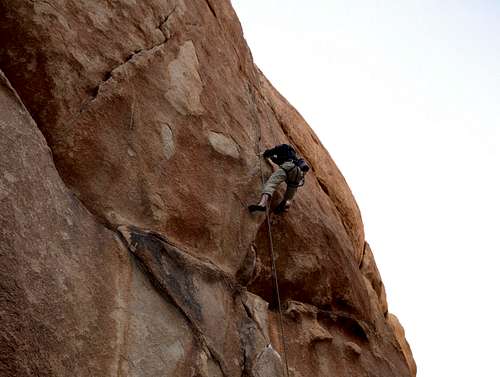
<point>129,140</point>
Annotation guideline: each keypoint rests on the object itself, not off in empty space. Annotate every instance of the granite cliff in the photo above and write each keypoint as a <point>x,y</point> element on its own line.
<point>129,140</point>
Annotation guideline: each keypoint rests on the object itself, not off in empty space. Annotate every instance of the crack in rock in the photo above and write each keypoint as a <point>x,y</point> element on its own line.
<point>108,76</point>
<point>212,10</point>
<point>171,271</point>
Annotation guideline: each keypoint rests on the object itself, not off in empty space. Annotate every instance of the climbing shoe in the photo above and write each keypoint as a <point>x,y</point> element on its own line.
<point>255,207</point>
<point>284,206</point>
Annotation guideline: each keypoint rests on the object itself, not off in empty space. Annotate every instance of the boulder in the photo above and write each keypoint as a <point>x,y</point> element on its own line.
<point>130,134</point>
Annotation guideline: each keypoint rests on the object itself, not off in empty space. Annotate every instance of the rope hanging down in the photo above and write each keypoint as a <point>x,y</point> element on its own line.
<point>271,247</point>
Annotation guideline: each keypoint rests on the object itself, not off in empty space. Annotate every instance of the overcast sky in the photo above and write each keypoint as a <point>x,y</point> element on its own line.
<point>406,97</point>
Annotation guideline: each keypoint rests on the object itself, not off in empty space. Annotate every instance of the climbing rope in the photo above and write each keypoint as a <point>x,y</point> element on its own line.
<point>269,232</point>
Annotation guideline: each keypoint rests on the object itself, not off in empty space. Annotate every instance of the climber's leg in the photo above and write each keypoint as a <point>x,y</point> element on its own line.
<point>268,190</point>
<point>285,204</point>
<point>278,177</point>
<point>290,193</point>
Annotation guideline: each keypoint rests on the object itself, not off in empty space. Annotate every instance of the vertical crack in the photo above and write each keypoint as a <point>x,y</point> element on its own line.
<point>211,8</point>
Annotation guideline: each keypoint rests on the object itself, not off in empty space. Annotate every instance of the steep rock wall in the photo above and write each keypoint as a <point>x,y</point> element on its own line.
<point>154,113</point>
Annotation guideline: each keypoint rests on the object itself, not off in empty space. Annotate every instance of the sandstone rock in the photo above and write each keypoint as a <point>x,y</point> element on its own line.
<point>72,300</point>
<point>219,315</point>
<point>353,348</point>
<point>328,355</point>
<point>246,272</point>
<point>77,304</point>
<point>185,86</point>
<point>258,310</point>
<point>62,274</point>
<point>154,113</point>
<point>223,144</point>
<point>124,118</point>
<point>268,363</point>
<point>405,347</point>
<point>306,315</point>
<point>369,269</point>
<point>156,339</point>
<point>168,141</point>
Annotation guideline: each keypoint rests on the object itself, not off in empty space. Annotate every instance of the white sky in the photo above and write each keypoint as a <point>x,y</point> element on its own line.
<point>406,97</point>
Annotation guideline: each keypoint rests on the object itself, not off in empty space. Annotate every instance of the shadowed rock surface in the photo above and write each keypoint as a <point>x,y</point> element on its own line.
<point>129,135</point>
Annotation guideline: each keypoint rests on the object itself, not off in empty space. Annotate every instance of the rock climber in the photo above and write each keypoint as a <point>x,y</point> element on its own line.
<point>292,170</point>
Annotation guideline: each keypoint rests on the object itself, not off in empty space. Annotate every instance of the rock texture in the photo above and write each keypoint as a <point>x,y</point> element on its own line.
<point>62,274</point>
<point>405,347</point>
<point>130,132</point>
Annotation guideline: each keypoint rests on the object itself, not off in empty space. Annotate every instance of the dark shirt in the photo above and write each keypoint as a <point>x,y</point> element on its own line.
<point>281,154</point>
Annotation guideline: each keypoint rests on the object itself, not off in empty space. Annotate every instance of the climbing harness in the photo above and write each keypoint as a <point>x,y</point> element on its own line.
<point>298,180</point>
<point>271,247</point>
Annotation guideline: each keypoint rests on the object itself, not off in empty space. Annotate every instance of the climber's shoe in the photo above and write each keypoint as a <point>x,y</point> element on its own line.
<point>255,207</point>
<point>284,206</point>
